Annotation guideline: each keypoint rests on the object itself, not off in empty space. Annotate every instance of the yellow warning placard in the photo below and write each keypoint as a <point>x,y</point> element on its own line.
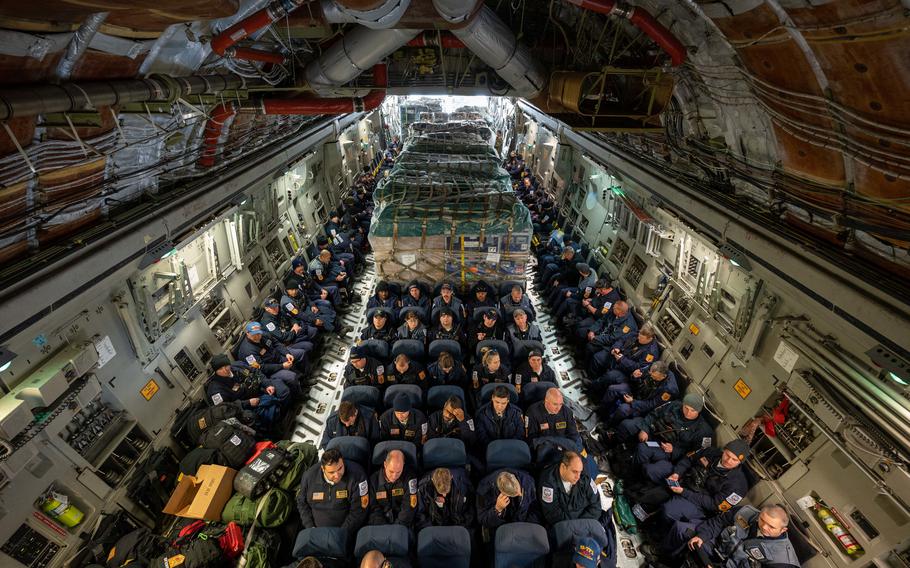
<point>742,388</point>
<point>149,390</point>
<point>694,329</point>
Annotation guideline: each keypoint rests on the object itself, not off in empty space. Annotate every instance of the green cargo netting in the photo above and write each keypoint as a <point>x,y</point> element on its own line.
<point>447,210</point>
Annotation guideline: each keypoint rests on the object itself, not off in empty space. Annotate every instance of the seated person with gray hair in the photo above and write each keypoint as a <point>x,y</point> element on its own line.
<point>506,496</point>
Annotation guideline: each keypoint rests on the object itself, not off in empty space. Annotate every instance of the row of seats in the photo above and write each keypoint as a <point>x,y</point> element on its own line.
<point>436,396</point>
<point>415,351</point>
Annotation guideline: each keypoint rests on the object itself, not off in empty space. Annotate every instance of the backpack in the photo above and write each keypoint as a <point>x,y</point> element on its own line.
<point>154,480</point>
<point>233,441</point>
<point>134,549</point>
<point>190,463</point>
<point>207,417</point>
<point>197,553</point>
<point>262,472</point>
<point>179,428</point>
<point>263,550</point>
<point>301,455</point>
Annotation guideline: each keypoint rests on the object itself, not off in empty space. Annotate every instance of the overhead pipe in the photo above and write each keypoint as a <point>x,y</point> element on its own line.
<point>212,134</point>
<point>354,53</point>
<point>431,39</point>
<point>31,100</point>
<point>373,14</point>
<point>78,45</point>
<point>491,40</point>
<point>641,19</point>
<point>328,105</point>
<point>246,27</point>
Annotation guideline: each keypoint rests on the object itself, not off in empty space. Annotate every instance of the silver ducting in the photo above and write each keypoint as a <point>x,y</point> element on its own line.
<point>31,100</point>
<point>383,17</point>
<point>356,52</point>
<point>82,37</point>
<point>495,44</point>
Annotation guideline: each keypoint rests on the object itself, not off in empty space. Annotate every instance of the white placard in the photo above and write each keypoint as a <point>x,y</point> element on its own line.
<point>493,257</point>
<point>408,259</point>
<point>105,350</point>
<point>786,357</point>
<point>193,275</point>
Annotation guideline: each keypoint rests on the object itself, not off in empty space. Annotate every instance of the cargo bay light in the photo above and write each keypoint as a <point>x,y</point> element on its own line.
<point>225,247</point>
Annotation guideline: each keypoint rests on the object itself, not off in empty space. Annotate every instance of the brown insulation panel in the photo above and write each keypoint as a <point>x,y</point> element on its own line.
<point>24,130</point>
<point>68,185</point>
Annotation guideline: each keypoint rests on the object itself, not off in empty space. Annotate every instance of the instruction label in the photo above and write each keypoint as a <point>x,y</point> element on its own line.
<point>149,390</point>
<point>786,357</point>
<point>742,388</point>
<point>105,350</point>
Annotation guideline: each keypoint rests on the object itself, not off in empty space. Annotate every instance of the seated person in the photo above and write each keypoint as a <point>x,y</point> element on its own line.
<point>551,417</point>
<point>310,289</point>
<point>588,553</point>
<point>667,434</point>
<point>522,329</point>
<point>739,537</point>
<point>447,327</point>
<point>584,283</point>
<point>403,371</point>
<point>350,420</point>
<point>447,371</point>
<point>296,336</point>
<point>480,298</point>
<point>517,299</point>
<point>566,492</point>
<point>412,328</point>
<point>498,420</point>
<point>373,559</point>
<point>489,370</point>
<point>534,370</point>
<point>452,422</point>
<point>444,499</point>
<point>708,482</point>
<point>259,350</point>
<point>592,309</point>
<point>415,297</point>
<point>363,370</point>
<point>393,490</point>
<point>610,329</point>
<point>485,328</point>
<point>447,299</point>
<point>623,401</point>
<point>629,359</point>
<point>334,493</point>
<point>401,422</point>
<point>380,328</point>
<point>506,496</point>
<point>235,383</point>
<point>383,298</point>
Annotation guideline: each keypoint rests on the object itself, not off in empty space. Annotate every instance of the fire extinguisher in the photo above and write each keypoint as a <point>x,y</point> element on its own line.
<point>848,544</point>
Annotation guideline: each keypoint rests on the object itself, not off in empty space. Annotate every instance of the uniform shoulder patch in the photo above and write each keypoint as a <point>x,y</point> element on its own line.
<point>250,359</point>
<point>270,326</point>
<point>625,329</point>
<point>665,397</point>
<point>649,357</point>
<point>547,494</point>
<point>423,429</point>
<point>706,442</point>
<point>470,423</point>
<point>217,398</point>
<point>733,498</point>
<point>605,309</point>
<point>364,488</point>
<point>380,369</point>
<point>756,553</point>
<point>412,486</point>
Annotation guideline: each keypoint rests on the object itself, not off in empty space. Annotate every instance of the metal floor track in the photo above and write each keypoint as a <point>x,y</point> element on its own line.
<point>325,394</point>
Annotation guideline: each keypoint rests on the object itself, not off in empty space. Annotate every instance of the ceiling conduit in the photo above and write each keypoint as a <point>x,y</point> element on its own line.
<point>31,100</point>
<point>488,37</point>
<point>325,105</point>
<point>357,51</point>
<point>431,39</point>
<point>641,19</point>
<point>223,43</point>
<point>218,116</point>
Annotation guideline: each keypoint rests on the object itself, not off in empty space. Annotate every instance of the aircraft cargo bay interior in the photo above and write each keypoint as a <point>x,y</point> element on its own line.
<point>463,283</point>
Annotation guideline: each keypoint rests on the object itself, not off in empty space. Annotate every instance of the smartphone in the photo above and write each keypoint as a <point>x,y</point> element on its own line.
<point>672,483</point>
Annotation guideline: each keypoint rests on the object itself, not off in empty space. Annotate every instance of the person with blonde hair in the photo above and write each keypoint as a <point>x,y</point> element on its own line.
<point>445,498</point>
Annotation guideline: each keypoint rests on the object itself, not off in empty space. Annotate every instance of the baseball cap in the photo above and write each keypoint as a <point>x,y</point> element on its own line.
<point>270,303</point>
<point>254,328</point>
<point>298,262</point>
<point>446,286</point>
<point>587,552</point>
<point>491,314</point>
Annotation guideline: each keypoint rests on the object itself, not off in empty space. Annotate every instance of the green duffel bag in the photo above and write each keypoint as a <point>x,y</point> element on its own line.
<point>301,456</point>
<point>263,550</point>
<point>275,511</point>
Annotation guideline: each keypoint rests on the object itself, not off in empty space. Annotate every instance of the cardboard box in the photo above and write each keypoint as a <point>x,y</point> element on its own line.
<point>204,495</point>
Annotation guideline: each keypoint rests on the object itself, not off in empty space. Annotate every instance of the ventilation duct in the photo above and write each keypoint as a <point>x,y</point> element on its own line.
<point>370,14</point>
<point>353,54</point>
<point>495,44</point>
